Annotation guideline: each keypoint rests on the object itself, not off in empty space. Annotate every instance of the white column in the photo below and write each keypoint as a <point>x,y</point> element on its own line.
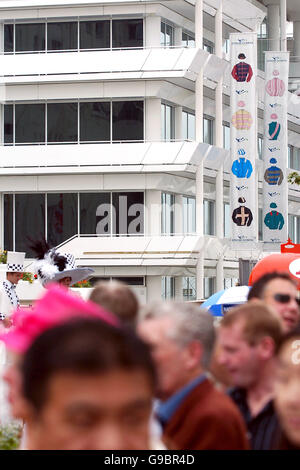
<point>178,37</point>
<point>297,39</point>
<point>178,288</point>
<point>153,288</point>
<point>219,143</point>
<point>273,27</point>
<point>152,31</point>
<point>199,138</point>
<point>153,212</point>
<point>178,214</point>
<point>178,123</point>
<point>1,222</point>
<point>283,25</point>
<point>152,119</point>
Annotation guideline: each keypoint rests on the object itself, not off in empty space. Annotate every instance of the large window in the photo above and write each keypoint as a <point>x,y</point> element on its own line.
<point>29,123</point>
<point>208,130</point>
<point>294,228</point>
<point>25,123</point>
<point>209,217</point>
<point>95,34</point>
<point>55,216</point>
<point>167,213</point>
<point>189,214</point>
<point>62,217</point>
<point>128,120</point>
<point>167,122</point>
<point>189,290</point>
<point>226,136</point>
<point>29,220</point>
<point>166,35</point>
<point>260,143</point>
<point>208,46</point>
<point>293,157</point>
<point>209,286</point>
<point>127,33</point>
<point>188,39</point>
<point>167,287</point>
<point>74,35</point>
<point>188,126</point>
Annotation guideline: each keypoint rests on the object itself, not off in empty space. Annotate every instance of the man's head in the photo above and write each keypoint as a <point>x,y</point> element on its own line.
<point>248,338</point>
<point>88,385</point>
<point>117,298</point>
<point>278,291</point>
<point>181,337</point>
<point>14,277</point>
<point>287,386</point>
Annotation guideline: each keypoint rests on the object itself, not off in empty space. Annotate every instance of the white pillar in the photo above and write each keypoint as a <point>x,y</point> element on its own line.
<point>153,212</point>
<point>178,123</point>
<point>153,288</point>
<point>178,37</point>
<point>297,39</point>
<point>1,222</point>
<point>273,27</point>
<point>199,138</point>
<point>178,288</point>
<point>152,31</point>
<point>283,25</point>
<point>152,119</point>
<point>178,214</point>
<point>219,143</point>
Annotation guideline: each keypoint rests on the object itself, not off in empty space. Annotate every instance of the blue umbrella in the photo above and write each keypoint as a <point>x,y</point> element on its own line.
<point>220,302</point>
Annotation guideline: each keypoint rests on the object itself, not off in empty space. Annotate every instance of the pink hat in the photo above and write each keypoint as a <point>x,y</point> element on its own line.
<point>56,306</point>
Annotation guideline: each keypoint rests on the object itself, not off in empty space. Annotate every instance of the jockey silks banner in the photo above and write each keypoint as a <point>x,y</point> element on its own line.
<point>243,137</point>
<point>275,149</point>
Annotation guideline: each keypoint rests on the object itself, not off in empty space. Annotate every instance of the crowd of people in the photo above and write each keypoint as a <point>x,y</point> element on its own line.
<point>108,373</point>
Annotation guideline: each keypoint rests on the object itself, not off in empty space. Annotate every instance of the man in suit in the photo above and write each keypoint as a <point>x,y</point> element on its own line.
<point>9,299</point>
<point>194,415</point>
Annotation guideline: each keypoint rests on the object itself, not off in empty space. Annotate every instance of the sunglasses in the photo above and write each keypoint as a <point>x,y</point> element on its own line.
<point>285,298</point>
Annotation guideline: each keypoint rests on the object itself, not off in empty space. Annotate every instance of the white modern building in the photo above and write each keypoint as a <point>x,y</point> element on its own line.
<point>115,134</point>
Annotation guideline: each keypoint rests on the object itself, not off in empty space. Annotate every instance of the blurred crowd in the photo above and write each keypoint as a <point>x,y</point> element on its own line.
<point>110,374</point>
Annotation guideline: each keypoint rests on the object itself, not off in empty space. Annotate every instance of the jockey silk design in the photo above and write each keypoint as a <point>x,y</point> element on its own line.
<point>275,191</point>
<point>243,146</point>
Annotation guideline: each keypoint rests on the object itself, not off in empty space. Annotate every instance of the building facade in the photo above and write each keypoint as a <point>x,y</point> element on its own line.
<point>115,135</point>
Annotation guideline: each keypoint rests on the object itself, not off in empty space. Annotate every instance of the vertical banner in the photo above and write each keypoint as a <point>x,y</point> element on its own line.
<point>243,137</point>
<point>275,150</point>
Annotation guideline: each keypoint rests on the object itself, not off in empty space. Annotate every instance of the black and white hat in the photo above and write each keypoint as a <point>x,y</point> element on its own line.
<point>52,265</point>
<point>15,262</point>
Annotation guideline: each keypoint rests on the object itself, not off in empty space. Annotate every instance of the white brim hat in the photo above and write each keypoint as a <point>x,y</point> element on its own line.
<point>54,266</point>
<point>77,275</point>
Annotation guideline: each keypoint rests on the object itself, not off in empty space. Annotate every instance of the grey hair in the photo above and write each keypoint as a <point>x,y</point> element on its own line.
<point>190,323</point>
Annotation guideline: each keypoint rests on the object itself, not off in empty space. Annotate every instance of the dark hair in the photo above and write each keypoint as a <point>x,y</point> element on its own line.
<point>257,290</point>
<point>118,298</point>
<point>83,347</point>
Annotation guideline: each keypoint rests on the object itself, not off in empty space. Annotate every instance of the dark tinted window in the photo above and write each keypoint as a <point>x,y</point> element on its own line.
<point>61,217</point>
<point>62,36</point>
<point>94,121</point>
<point>29,220</point>
<point>30,37</point>
<point>62,122</point>
<point>8,38</point>
<point>128,120</point>
<point>95,213</point>
<point>127,33</point>
<point>29,123</point>
<point>8,218</point>
<point>94,34</point>
<point>128,213</point>
<point>8,123</point>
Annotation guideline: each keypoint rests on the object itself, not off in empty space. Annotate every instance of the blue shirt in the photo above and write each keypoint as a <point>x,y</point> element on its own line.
<point>166,410</point>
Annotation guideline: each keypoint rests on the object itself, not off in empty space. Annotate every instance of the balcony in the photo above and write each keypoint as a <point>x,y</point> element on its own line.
<point>122,157</point>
